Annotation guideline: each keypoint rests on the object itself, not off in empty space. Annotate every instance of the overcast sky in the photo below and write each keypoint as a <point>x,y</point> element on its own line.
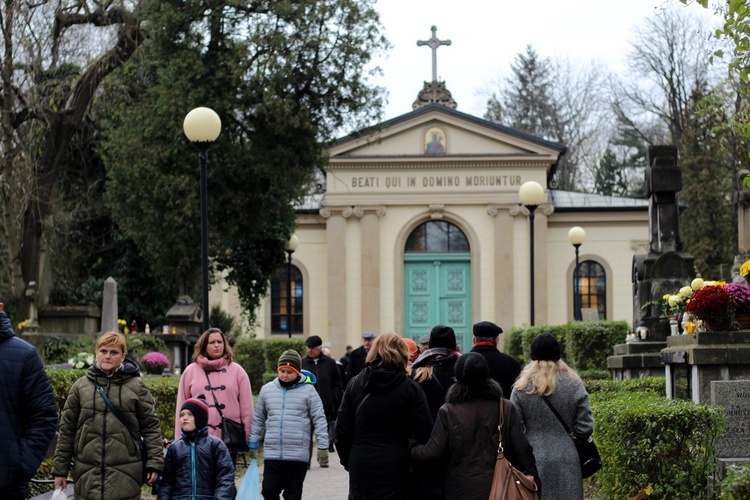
<point>487,34</point>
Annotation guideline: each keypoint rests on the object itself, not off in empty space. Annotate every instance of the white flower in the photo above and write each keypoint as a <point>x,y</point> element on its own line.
<point>90,360</point>
<point>70,361</point>
<point>79,365</point>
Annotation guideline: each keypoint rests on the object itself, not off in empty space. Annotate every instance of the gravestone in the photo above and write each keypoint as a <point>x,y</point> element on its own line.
<point>109,306</point>
<point>734,397</point>
<point>665,269</point>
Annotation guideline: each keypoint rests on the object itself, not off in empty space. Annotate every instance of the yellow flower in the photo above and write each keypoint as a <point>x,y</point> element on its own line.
<point>745,268</point>
<point>697,284</point>
<point>686,291</point>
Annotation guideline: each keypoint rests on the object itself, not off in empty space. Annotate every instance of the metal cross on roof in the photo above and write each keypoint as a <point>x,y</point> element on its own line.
<point>433,43</point>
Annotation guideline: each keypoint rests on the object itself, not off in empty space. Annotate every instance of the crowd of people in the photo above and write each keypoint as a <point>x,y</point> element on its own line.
<point>408,419</point>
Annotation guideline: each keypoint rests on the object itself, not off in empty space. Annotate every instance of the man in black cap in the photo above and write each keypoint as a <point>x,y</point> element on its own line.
<point>503,368</point>
<point>358,356</point>
<point>328,383</point>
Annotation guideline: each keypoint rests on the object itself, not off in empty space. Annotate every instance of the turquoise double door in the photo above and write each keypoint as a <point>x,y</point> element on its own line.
<point>437,291</point>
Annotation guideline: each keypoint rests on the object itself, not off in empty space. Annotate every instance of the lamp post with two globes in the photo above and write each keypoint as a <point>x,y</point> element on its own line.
<point>202,127</point>
<point>531,194</point>
<point>576,237</point>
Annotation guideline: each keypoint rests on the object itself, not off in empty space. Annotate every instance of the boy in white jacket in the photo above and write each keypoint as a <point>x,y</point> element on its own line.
<point>286,406</point>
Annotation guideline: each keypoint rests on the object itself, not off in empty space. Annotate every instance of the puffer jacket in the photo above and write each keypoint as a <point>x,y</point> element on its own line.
<point>198,466</point>
<point>286,413</point>
<point>107,459</point>
<point>28,413</point>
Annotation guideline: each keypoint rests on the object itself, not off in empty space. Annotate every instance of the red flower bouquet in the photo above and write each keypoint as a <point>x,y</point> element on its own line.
<point>714,306</point>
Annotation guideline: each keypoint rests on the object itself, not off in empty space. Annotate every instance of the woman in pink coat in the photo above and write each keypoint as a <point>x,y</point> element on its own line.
<point>214,371</point>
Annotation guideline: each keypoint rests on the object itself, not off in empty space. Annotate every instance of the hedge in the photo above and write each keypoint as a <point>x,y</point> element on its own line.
<point>654,448</point>
<point>585,345</point>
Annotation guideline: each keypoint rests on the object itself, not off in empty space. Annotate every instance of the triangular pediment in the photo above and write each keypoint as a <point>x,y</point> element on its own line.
<point>454,134</point>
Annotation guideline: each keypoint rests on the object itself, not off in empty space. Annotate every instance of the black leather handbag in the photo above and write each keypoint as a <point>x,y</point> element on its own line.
<point>232,432</point>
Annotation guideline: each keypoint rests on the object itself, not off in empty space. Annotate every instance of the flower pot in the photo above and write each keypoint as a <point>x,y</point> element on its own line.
<point>744,320</point>
<point>674,327</point>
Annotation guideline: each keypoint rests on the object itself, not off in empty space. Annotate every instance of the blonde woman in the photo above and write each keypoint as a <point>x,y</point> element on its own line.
<point>381,410</point>
<point>548,376</point>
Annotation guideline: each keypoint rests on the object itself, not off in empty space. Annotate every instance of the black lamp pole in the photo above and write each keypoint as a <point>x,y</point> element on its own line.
<point>576,237</point>
<point>203,158</point>
<point>202,127</point>
<point>532,209</point>
<point>289,292</point>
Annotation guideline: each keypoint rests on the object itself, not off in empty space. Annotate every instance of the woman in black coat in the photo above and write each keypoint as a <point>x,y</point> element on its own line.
<point>381,410</point>
<point>466,433</point>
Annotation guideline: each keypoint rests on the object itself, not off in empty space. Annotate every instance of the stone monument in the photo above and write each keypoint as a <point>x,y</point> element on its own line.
<point>665,269</point>
<point>733,447</point>
<point>109,306</point>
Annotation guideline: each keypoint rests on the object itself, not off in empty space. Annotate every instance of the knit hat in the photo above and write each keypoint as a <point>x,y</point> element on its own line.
<point>442,336</point>
<point>199,409</point>
<point>290,359</point>
<point>545,347</point>
<point>313,341</point>
<point>472,369</point>
<point>486,329</point>
<point>413,349</point>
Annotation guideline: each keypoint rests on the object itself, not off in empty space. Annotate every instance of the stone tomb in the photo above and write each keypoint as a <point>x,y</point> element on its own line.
<point>734,396</point>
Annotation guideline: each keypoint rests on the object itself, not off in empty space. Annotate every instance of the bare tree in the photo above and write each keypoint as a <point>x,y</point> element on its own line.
<point>668,57</point>
<point>56,55</point>
<point>558,101</point>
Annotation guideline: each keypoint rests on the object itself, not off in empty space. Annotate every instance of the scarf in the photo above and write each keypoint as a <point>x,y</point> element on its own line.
<point>435,357</point>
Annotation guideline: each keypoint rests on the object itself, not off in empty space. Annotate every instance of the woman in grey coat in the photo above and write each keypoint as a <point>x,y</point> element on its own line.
<point>556,456</point>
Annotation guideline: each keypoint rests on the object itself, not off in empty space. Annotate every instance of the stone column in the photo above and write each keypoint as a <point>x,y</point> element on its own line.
<point>336,244</point>
<point>370,234</point>
<point>109,306</point>
<point>503,263</point>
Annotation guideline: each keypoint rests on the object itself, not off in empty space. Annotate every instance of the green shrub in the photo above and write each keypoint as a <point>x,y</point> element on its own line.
<point>138,345</point>
<point>60,350</point>
<point>653,385</point>
<point>736,483</point>
<point>652,447</point>
<point>250,354</point>
<point>595,374</point>
<point>512,343</point>
<point>585,345</point>
<point>164,391</point>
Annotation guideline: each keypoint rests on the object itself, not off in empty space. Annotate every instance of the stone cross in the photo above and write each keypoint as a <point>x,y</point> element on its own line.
<point>109,306</point>
<point>433,43</point>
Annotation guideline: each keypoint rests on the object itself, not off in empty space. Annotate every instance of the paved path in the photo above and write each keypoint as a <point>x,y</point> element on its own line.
<point>329,484</point>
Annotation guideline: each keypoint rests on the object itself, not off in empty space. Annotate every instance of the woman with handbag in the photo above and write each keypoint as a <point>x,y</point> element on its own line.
<point>466,433</point>
<point>106,411</point>
<point>548,380</point>
<point>224,384</point>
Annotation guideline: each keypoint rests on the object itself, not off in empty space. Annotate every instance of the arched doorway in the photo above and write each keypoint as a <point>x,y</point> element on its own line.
<point>437,281</point>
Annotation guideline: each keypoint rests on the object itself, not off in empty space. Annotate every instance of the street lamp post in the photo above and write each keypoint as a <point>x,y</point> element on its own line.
<point>531,194</point>
<point>291,246</point>
<point>576,237</point>
<point>202,127</point>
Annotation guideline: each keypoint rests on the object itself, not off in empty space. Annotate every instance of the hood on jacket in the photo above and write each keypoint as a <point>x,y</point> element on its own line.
<point>306,377</point>
<point>379,380</point>
<point>128,367</point>
<point>6,327</point>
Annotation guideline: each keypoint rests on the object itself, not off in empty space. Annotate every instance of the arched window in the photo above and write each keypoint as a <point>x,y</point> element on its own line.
<point>592,287</point>
<point>437,237</point>
<point>282,304</point>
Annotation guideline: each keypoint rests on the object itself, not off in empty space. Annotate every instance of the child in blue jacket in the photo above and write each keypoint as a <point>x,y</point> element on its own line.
<point>286,407</point>
<point>198,466</point>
